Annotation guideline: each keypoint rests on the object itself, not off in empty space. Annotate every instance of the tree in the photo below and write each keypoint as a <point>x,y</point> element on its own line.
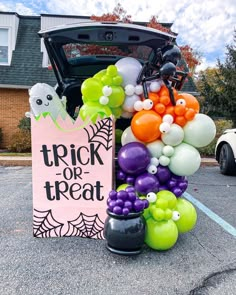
<point>218,87</point>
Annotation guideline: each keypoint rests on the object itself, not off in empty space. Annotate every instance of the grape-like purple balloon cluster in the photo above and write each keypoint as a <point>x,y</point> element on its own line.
<point>164,179</point>
<point>125,201</point>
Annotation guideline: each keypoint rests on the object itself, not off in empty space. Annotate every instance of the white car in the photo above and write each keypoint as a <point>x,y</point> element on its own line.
<point>225,152</point>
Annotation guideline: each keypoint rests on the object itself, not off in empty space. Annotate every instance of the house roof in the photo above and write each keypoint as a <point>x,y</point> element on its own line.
<point>26,64</point>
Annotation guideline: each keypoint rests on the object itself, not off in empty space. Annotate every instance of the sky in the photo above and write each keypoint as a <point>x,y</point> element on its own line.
<point>206,26</point>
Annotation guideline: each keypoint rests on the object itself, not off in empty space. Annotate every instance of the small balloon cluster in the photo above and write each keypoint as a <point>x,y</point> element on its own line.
<point>125,201</point>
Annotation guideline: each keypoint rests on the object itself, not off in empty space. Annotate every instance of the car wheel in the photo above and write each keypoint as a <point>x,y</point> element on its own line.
<point>226,160</point>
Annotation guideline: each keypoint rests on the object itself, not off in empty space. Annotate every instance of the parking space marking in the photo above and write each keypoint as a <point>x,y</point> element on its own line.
<point>226,226</point>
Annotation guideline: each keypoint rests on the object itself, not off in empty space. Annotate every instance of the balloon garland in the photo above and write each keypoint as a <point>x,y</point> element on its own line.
<point>159,148</point>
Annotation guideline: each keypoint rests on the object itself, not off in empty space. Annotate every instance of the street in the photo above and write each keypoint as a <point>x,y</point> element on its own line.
<point>203,261</point>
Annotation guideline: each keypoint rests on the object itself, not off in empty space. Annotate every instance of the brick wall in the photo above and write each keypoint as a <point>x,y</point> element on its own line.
<point>13,105</point>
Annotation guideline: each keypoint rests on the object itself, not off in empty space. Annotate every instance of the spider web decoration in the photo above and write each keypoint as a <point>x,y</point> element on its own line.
<point>86,227</point>
<point>101,132</point>
<point>45,226</point>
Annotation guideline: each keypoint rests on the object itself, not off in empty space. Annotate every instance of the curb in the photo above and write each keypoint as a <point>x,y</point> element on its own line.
<point>27,161</point>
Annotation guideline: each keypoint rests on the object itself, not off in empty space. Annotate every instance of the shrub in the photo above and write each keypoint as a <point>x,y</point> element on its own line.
<point>25,124</point>
<point>221,125</point>
<point>20,142</point>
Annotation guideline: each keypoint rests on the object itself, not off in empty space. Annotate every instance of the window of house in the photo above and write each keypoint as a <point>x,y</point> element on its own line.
<point>4,46</point>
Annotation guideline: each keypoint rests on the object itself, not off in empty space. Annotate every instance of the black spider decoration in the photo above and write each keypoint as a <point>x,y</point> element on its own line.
<point>163,66</point>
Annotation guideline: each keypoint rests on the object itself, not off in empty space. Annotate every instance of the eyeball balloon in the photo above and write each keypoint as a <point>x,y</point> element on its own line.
<point>152,169</point>
<point>174,136</point>
<point>165,127</point>
<point>185,161</point>
<point>200,131</point>
<point>151,197</point>
<point>154,161</point>
<point>147,104</point>
<point>175,215</point>
<point>106,90</point>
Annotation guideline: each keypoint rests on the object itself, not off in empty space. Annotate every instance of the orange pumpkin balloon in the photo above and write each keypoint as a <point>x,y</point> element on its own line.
<point>165,99</point>
<point>170,110</point>
<point>191,101</point>
<point>163,91</point>
<point>145,125</point>
<point>180,110</point>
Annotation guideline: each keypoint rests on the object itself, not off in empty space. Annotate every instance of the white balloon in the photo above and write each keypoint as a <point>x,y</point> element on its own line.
<point>164,161</point>
<point>107,90</point>
<point>155,148</point>
<point>154,161</point>
<point>152,169</point>
<point>164,127</point>
<point>200,131</point>
<point>147,104</point>
<point>129,89</point>
<point>129,68</point>
<point>168,151</point>
<point>138,106</point>
<point>128,136</point>
<point>168,119</point>
<point>174,136</point>
<point>185,161</point>
<point>103,100</point>
<point>139,89</point>
<point>129,102</point>
<point>155,86</point>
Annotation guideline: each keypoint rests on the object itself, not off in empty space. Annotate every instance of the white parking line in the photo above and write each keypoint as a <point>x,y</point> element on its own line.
<point>226,226</point>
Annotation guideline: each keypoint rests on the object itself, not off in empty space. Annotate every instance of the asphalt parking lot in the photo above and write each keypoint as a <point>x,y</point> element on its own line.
<point>203,261</point>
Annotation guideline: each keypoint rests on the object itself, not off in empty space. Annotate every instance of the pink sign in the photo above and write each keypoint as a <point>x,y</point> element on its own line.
<point>72,176</point>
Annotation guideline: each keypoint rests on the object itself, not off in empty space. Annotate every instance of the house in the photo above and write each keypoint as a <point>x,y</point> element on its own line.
<point>24,62</point>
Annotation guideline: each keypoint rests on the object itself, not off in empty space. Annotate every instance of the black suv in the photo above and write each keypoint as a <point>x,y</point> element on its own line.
<point>79,51</point>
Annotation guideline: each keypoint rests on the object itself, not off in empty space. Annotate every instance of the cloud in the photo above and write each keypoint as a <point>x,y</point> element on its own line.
<point>207,26</point>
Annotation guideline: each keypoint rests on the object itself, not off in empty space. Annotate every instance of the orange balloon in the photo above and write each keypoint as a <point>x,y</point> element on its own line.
<point>145,125</point>
<point>180,120</point>
<point>165,99</point>
<point>163,91</point>
<point>170,110</point>
<point>160,108</point>
<point>191,101</point>
<point>180,110</point>
<point>190,114</point>
<point>154,97</point>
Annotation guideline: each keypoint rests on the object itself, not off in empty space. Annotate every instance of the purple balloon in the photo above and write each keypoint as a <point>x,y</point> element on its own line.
<point>125,211</point>
<point>130,179</point>
<point>132,196</point>
<point>121,175</point>
<point>177,191</point>
<point>163,174</point>
<point>183,185</point>
<point>146,203</point>
<point>130,189</point>
<point>112,195</point>
<point>117,210</point>
<point>128,204</point>
<point>171,183</point>
<point>123,195</point>
<point>146,183</point>
<point>163,187</point>
<point>138,205</point>
<point>111,205</point>
<point>133,158</point>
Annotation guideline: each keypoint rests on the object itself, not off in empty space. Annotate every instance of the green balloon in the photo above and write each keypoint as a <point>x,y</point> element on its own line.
<point>169,197</point>
<point>91,89</point>
<point>106,80</point>
<point>117,97</point>
<point>161,235</point>
<point>100,74</point>
<point>118,134</point>
<point>94,110</point>
<point>112,70</point>
<point>188,215</point>
<point>168,214</point>
<point>116,112</point>
<point>157,214</point>
<point>162,203</point>
<point>122,187</point>
<point>117,80</point>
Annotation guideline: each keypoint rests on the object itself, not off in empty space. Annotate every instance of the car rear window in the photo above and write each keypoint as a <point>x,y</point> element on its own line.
<point>75,52</point>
